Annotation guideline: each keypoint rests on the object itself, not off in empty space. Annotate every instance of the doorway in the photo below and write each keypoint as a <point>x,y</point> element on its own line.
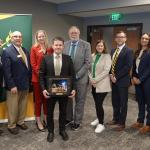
<point>107,33</point>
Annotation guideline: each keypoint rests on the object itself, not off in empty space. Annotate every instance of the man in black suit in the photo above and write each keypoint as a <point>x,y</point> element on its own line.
<point>49,67</point>
<point>122,59</point>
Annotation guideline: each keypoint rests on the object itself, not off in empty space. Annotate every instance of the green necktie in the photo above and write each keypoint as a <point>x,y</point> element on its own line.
<point>72,53</point>
<point>95,62</point>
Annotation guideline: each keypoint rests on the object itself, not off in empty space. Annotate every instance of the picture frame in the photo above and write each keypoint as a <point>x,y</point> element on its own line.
<point>59,86</point>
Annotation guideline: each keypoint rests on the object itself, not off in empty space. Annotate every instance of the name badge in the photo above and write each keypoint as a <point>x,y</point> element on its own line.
<point>19,56</point>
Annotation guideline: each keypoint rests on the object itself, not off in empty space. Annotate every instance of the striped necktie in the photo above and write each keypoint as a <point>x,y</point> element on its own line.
<point>114,61</point>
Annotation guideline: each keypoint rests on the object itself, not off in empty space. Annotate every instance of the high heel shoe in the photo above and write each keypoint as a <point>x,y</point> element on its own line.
<point>40,129</point>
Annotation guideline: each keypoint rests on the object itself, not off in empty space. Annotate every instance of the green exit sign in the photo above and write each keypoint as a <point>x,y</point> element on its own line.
<point>115,17</point>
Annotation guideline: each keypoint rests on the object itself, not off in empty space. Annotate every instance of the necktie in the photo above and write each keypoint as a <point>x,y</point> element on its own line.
<point>57,65</point>
<point>72,53</point>
<point>116,54</point>
<point>21,52</point>
<point>95,62</point>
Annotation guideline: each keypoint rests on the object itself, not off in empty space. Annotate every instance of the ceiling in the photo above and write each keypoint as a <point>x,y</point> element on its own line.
<point>124,10</point>
<point>104,12</point>
<point>59,1</point>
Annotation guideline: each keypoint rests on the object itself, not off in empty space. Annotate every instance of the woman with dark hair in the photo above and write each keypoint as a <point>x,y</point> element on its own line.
<point>141,80</point>
<point>38,50</point>
<point>100,81</point>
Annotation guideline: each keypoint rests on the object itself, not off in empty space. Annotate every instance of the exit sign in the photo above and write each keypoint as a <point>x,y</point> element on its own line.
<point>115,17</point>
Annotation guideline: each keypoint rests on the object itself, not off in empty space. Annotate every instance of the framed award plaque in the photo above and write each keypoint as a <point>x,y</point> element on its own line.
<point>59,86</point>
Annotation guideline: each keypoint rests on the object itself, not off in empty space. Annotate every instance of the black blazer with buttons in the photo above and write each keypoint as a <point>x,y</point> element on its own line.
<point>47,69</point>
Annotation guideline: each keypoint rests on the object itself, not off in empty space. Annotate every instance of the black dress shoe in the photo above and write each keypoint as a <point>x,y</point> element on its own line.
<point>50,137</point>
<point>75,127</point>
<point>64,135</point>
<point>22,126</point>
<point>13,130</point>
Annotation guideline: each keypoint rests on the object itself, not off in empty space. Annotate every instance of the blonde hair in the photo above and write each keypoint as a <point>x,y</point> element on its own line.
<point>36,38</point>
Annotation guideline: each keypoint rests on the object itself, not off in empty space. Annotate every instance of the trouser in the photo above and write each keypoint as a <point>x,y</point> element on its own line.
<point>119,103</point>
<point>17,106</point>
<point>98,99</point>
<point>62,113</point>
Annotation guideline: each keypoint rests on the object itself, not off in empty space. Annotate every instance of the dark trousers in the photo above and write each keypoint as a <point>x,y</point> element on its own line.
<point>98,99</point>
<point>62,113</point>
<point>119,103</point>
<point>143,99</point>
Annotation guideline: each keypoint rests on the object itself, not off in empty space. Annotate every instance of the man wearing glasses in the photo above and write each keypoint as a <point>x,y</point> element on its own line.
<point>122,58</point>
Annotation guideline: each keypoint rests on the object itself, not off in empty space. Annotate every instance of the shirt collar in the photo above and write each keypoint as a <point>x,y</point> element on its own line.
<point>57,55</point>
<point>121,47</point>
<point>17,48</point>
<point>75,43</point>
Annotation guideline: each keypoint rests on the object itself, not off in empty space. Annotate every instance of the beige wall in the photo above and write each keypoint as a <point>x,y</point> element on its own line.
<point>43,14</point>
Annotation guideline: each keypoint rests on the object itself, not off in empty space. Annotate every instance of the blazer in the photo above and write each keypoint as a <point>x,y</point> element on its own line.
<point>47,69</point>
<point>16,73</point>
<point>102,77</point>
<point>82,61</point>
<point>36,56</point>
<point>144,67</point>
<point>123,66</point>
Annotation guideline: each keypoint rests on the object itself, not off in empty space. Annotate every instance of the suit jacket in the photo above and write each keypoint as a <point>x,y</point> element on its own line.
<point>123,66</point>
<point>47,69</point>
<point>102,77</point>
<point>16,73</point>
<point>82,61</point>
<point>144,67</point>
<point>36,56</point>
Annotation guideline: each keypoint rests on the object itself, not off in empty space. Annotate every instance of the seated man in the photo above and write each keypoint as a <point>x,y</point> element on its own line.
<point>56,65</point>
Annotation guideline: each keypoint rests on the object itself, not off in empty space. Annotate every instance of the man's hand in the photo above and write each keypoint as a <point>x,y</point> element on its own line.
<point>14,90</point>
<point>136,81</point>
<point>113,79</point>
<point>73,93</point>
<point>46,94</point>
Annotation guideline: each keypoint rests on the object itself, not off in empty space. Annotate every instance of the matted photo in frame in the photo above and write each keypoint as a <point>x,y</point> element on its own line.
<point>59,86</point>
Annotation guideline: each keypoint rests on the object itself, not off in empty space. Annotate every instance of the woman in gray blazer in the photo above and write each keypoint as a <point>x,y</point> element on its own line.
<point>100,81</point>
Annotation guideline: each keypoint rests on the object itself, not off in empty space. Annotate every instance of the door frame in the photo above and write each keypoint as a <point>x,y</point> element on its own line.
<point>89,28</point>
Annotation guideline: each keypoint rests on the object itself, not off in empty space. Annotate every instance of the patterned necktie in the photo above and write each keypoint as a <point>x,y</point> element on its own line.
<point>57,65</point>
<point>116,54</point>
<point>72,53</point>
<point>21,52</point>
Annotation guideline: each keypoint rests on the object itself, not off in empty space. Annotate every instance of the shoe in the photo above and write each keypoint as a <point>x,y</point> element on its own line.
<point>13,130</point>
<point>99,128</point>
<point>95,122</point>
<point>68,123</point>
<point>137,125</point>
<point>40,129</point>
<point>64,135</point>
<point>112,122</point>
<point>50,137</point>
<point>144,129</point>
<point>1,131</point>
<point>119,127</point>
<point>75,127</point>
<point>22,126</point>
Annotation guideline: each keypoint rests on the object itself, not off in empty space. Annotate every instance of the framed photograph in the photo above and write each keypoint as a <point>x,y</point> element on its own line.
<point>59,86</point>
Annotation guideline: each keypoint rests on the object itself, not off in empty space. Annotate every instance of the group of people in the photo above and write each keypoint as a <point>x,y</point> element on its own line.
<point>105,72</point>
